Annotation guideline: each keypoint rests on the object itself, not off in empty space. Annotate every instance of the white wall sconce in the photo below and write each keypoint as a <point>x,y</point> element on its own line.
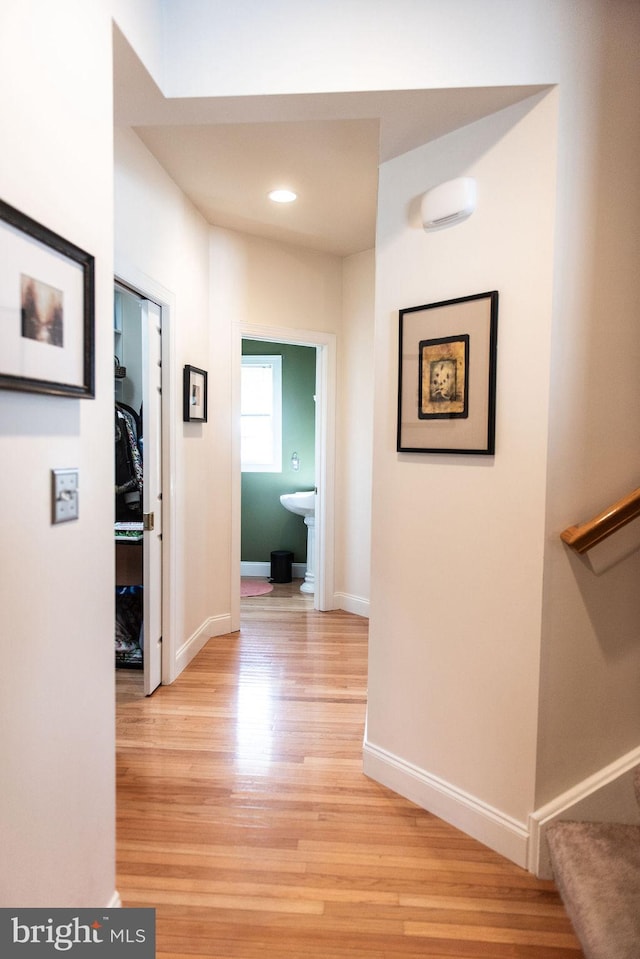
<point>448,203</point>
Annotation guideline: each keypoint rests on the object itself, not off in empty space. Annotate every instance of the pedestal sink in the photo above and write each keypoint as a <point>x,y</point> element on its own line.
<point>304,504</point>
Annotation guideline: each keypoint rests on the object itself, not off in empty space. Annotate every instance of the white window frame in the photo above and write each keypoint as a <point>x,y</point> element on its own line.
<point>274,465</point>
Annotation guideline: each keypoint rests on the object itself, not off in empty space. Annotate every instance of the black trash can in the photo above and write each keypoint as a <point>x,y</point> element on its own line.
<point>281,560</point>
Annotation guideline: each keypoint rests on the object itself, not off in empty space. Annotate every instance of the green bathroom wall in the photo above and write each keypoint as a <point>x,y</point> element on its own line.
<point>266,524</point>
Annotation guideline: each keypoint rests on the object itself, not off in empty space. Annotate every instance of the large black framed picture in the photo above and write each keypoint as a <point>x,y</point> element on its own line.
<point>447,376</point>
<point>47,307</point>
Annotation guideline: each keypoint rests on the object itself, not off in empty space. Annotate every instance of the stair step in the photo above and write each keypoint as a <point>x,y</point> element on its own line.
<point>597,870</point>
<point>636,783</point>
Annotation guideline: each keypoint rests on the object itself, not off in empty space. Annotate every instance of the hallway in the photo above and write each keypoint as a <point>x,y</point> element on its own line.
<point>245,820</point>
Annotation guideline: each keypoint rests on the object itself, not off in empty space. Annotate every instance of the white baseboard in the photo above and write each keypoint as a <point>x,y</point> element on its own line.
<point>607,796</point>
<point>213,626</point>
<point>500,832</point>
<point>298,570</point>
<point>352,604</point>
<point>115,902</point>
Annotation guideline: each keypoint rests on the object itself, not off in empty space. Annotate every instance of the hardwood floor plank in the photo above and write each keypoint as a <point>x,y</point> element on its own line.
<point>492,934</point>
<point>245,819</point>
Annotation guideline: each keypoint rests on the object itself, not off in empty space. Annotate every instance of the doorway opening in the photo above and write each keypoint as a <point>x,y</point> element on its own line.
<point>277,428</point>
<point>138,488</point>
<point>320,350</point>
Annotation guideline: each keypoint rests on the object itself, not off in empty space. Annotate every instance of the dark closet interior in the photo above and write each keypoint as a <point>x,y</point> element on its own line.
<point>129,445</point>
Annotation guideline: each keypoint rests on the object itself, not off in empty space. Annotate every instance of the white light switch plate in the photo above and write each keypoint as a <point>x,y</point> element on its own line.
<point>64,495</point>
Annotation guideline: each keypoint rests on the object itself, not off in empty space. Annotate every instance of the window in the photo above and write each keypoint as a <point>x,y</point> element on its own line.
<point>261,414</point>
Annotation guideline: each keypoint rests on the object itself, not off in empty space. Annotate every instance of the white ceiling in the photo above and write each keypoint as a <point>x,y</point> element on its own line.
<point>227,153</point>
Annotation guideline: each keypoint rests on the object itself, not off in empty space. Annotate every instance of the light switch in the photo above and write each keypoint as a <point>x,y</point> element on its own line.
<point>64,495</point>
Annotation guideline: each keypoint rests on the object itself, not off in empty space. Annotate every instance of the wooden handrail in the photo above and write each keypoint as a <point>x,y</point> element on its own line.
<point>582,538</point>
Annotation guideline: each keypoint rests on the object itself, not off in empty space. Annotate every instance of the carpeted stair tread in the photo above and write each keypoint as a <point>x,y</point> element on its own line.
<point>636,783</point>
<point>597,870</point>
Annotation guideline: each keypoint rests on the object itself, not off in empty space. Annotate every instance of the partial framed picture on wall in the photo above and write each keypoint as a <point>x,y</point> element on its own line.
<point>46,310</point>
<point>447,376</point>
<point>194,395</point>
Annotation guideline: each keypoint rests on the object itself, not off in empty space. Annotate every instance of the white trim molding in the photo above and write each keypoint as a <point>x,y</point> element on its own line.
<point>495,829</point>
<point>606,796</point>
<point>213,626</point>
<point>115,902</point>
<point>352,604</point>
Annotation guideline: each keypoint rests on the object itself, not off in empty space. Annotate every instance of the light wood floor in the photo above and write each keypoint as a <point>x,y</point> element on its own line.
<point>245,819</point>
<point>284,596</point>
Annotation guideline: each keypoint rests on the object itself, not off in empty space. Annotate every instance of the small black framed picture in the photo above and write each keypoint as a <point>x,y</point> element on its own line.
<point>194,407</point>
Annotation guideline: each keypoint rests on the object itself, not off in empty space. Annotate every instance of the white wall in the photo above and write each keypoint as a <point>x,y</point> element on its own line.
<point>141,21</point>
<point>354,440</point>
<point>458,540</point>
<point>587,712</point>
<point>161,239</point>
<point>57,582</point>
<point>219,49</point>
<point>272,284</point>
<point>590,678</point>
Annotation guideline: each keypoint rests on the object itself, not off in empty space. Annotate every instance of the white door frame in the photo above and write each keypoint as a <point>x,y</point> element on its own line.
<point>325,344</point>
<point>145,287</point>
<point>151,333</point>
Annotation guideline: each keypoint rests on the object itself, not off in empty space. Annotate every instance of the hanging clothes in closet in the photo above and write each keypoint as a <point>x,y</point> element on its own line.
<point>128,495</point>
<point>129,619</point>
<point>129,469</point>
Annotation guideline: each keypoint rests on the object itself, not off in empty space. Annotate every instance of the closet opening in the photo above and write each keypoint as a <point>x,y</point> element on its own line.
<point>138,489</point>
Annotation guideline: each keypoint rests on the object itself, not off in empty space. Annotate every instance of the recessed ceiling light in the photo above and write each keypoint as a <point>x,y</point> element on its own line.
<point>283,196</point>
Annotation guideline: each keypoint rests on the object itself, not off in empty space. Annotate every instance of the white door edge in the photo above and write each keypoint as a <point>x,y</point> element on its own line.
<point>130,277</point>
